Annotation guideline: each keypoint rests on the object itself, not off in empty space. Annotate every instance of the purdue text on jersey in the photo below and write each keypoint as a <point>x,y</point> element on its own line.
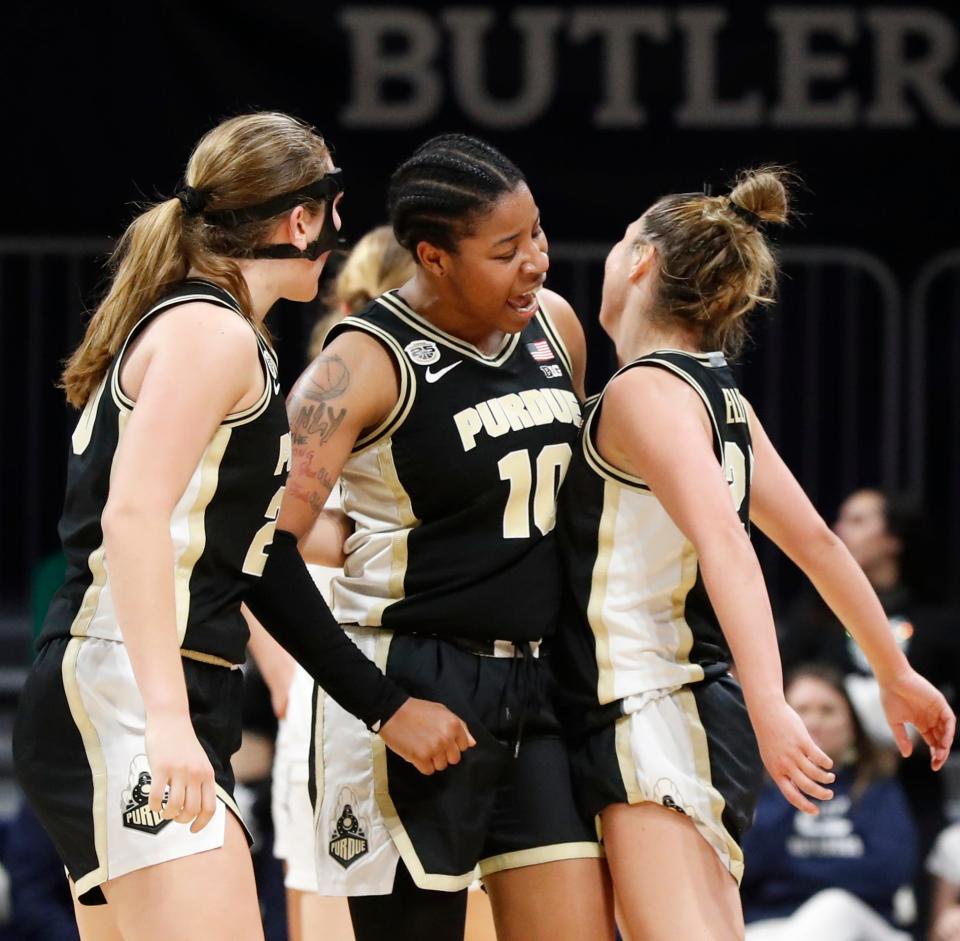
<point>454,495</point>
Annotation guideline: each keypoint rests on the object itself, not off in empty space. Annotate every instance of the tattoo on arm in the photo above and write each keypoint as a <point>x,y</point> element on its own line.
<point>312,413</point>
<point>320,420</point>
<point>313,422</point>
<point>325,479</point>
<point>328,379</point>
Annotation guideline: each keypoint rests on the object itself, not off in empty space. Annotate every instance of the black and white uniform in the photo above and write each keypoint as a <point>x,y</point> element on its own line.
<point>450,584</point>
<point>643,664</point>
<point>79,737</point>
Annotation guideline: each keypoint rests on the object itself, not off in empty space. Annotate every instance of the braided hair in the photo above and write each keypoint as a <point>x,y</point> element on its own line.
<point>450,181</point>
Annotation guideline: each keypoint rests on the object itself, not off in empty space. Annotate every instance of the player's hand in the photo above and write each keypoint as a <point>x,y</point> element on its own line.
<point>182,784</point>
<point>427,734</point>
<point>908,697</point>
<point>798,766</point>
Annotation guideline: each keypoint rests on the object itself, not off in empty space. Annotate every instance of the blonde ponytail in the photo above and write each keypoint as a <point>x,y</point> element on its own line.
<point>241,162</point>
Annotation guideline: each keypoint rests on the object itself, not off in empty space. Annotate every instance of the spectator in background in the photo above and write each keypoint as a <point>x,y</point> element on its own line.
<point>834,875</point>
<point>943,864</point>
<point>885,535</point>
<point>42,908</point>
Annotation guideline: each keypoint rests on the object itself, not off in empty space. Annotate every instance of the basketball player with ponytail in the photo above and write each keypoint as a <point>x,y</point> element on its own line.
<point>132,710</point>
<point>671,468</point>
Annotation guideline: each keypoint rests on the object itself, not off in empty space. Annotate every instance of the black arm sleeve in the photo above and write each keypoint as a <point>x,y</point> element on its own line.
<point>289,605</point>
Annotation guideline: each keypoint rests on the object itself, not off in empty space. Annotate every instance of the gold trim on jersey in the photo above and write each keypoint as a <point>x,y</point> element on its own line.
<point>689,566</point>
<point>318,700</point>
<point>603,467</point>
<point>553,334</point>
<point>689,379</point>
<point>625,761</point>
<point>247,415</point>
<point>209,469</point>
<point>408,381</point>
<point>709,358</point>
<point>229,801</point>
<point>119,397</point>
<point>95,759</point>
<point>598,593</point>
<point>411,318</point>
<point>600,466</point>
<point>241,417</point>
<point>84,430</point>
<point>701,752</point>
<point>553,852</point>
<point>398,833</point>
<point>95,561</point>
<point>408,519</point>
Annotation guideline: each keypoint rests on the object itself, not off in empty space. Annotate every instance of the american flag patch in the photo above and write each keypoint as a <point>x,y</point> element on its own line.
<point>540,351</point>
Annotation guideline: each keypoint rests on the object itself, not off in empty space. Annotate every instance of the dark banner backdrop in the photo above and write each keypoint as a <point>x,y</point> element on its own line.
<point>604,107</point>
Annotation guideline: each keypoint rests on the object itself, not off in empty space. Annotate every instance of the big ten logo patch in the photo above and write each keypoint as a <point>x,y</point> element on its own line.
<point>134,799</point>
<point>423,352</point>
<point>349,841</point>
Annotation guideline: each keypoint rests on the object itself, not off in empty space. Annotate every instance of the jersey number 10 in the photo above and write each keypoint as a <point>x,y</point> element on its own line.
<point>517,468</point>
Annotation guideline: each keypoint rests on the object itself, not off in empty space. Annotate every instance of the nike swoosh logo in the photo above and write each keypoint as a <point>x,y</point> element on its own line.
<point>431,376</point>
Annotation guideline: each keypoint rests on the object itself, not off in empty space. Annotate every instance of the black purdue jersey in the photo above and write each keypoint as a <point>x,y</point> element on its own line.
<point>219,528</point>
<point>642,620</point>
<point>454,495</point>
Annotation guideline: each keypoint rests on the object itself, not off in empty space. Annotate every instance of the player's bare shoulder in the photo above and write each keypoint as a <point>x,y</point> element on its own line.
<point>354,379</point>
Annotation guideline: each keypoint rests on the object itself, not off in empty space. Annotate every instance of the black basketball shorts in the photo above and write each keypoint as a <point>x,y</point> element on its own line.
<point>80,757</point>
<point>690,749</point>
<point>508,803</point>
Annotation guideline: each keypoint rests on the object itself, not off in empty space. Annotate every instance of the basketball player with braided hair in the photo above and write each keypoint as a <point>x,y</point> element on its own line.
<point>447,410</point>
<point>672,467</point>
<point>131,712</point>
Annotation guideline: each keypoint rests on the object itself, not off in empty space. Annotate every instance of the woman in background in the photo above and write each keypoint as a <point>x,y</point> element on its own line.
<point>834,875</point>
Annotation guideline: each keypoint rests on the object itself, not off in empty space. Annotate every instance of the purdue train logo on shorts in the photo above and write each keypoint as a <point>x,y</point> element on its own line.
<point>136,814</point>
<point>349,839</point>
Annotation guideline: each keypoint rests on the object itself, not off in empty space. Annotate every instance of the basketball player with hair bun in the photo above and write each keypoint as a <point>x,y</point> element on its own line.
<point>447,410</point>
<point>671,468</point>
<point>131,712</point>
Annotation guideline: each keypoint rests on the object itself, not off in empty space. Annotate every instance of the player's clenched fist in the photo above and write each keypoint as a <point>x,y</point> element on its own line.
<point>427,734</point>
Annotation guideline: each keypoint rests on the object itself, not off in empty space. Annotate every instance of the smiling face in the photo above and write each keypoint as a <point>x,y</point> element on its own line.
<point>497,269</point>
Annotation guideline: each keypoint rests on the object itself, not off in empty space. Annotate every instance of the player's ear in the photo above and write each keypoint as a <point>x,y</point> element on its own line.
<point>292,228</point>
<point>643,262</point>
<point>433,259</point>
